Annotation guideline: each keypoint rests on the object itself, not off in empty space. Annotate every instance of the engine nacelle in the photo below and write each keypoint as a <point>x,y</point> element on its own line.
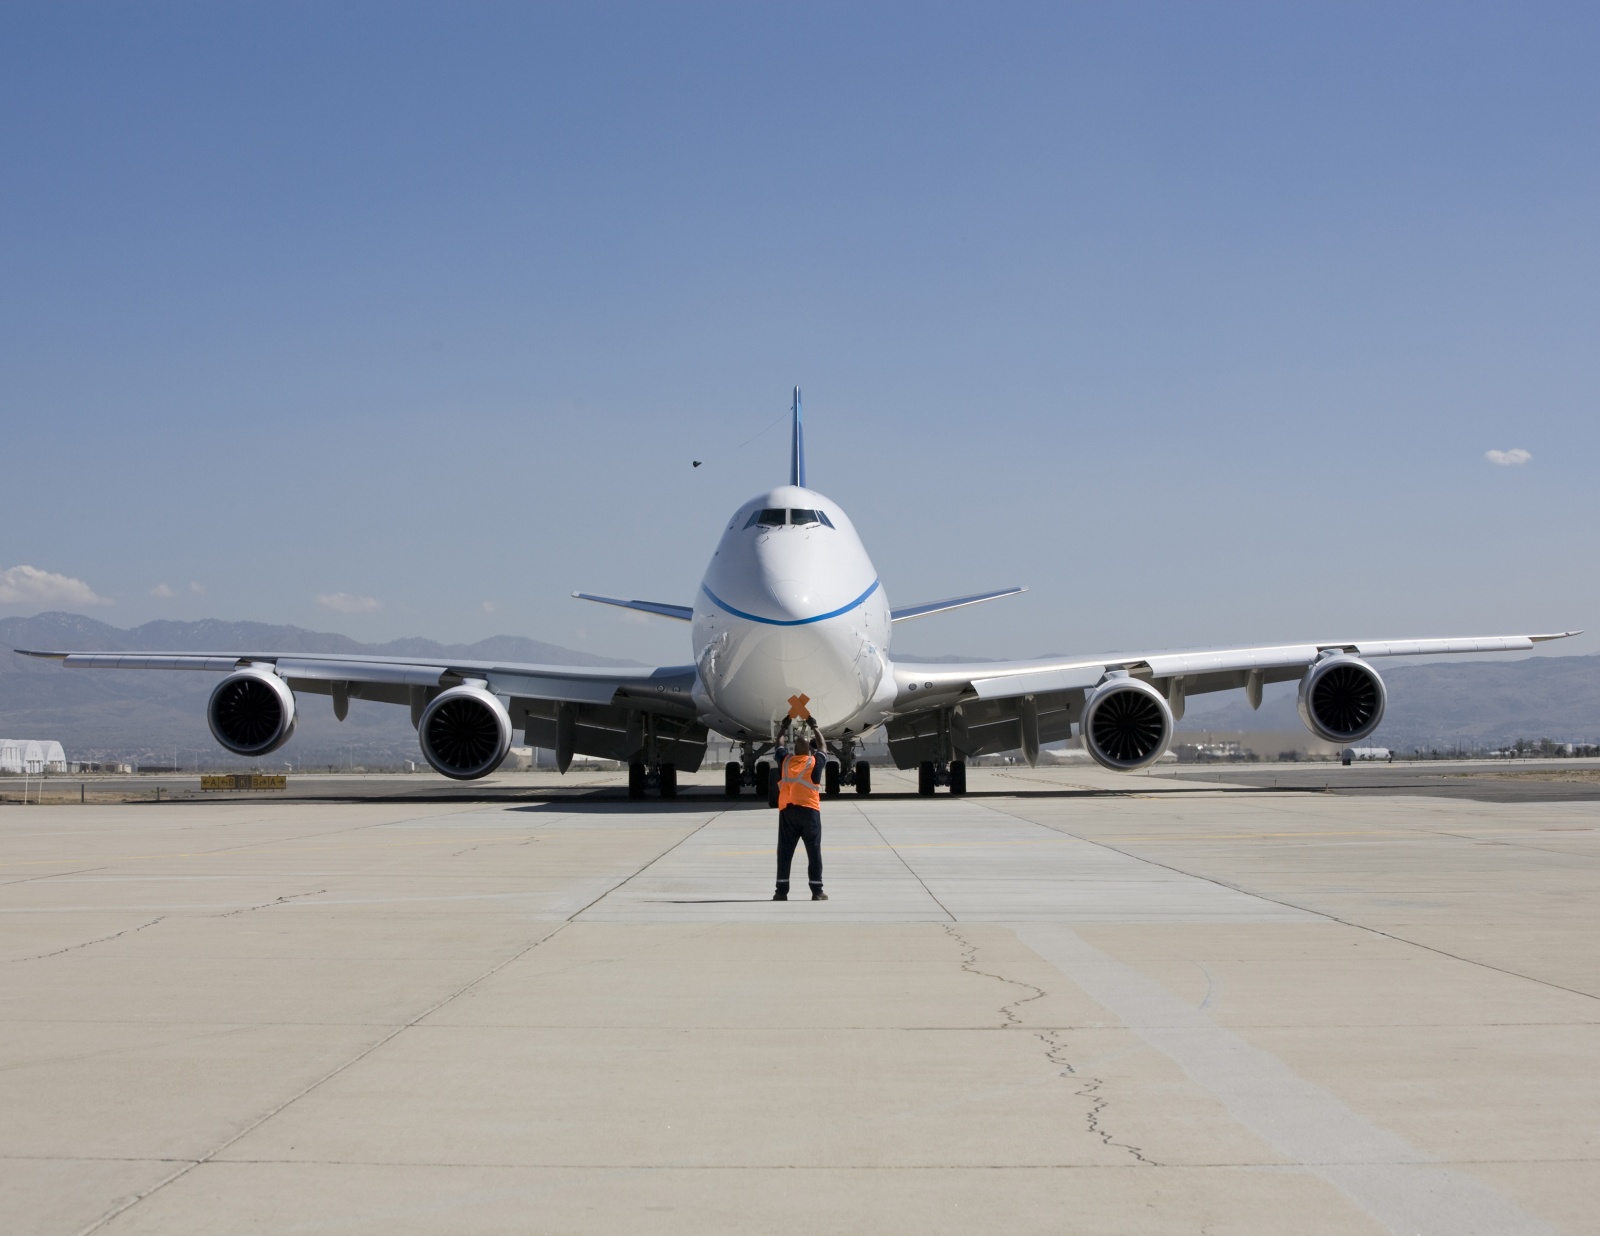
<point>1127,724</point>
<point>252,712</point>
<point>1342,698</point>
<point>465,732</point>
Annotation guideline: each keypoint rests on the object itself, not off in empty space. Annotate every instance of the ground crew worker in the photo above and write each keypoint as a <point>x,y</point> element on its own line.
<point>800,818</point>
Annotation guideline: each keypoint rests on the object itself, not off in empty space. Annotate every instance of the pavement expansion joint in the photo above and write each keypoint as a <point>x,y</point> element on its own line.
<point>276,901</point>
<point>1306,909</point>
<point>72,948</point>
<point>191,1165</point>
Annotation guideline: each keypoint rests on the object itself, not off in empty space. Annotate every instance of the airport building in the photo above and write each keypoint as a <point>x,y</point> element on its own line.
<point>31,756</point>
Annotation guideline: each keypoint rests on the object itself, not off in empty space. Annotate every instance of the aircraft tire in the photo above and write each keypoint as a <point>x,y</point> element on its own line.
<point>732,779</point>
<point>636,780</point>
<point>958,776</point>
<point>669,780</point>
<point>763,778</point>
<point>925,777</point>
<point>830,779</point>
<point>863,778</point>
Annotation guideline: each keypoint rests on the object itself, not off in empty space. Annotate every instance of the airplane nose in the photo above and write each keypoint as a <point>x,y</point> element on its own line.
<point>792,598</point>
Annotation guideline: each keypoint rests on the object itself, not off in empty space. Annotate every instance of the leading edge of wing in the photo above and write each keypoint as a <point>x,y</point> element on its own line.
<point>997,678</point>
<point>683,613</point>
<point>651,688</point>
<point>907,612</point>
<point>334,665</point>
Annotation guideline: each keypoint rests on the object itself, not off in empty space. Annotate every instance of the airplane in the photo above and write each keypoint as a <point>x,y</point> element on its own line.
<point>790,632</point>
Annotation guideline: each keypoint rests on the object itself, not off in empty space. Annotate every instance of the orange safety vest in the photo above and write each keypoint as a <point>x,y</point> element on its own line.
<point>795,787</point>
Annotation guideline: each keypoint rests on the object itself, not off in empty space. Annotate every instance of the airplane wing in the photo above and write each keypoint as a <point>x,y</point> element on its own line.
<point>683,613</point>
<point>603,711</point>
<point>907,612</point>
<point>990,706</point>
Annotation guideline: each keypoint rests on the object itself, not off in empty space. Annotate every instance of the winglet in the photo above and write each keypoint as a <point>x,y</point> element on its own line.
<point>797,447</point>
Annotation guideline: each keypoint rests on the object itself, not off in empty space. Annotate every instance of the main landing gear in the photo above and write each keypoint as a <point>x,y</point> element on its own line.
<point>748,770</point>
<point>641,779</point>
<point>849,770</point>
<point>931,774</point>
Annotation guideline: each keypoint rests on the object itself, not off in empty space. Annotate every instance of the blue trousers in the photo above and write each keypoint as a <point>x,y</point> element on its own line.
<point>797,824</point>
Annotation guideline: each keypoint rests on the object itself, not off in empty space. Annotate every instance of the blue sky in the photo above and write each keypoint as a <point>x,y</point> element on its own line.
<point>1196,319</point>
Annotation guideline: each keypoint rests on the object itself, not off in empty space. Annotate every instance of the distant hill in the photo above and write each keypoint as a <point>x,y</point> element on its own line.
<point>1466,702</point>
<point>143,714</point>
<point>1445,703</point>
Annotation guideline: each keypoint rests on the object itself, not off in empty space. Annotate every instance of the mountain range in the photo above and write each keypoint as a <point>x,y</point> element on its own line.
<point>1462,702</point>
<point>148,716</point>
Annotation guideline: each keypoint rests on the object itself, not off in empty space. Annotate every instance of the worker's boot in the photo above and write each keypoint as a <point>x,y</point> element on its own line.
<point>818,895</point>
<point>781,894</point>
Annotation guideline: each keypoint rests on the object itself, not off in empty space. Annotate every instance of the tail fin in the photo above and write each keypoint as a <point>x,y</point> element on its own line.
<point>797,447</point>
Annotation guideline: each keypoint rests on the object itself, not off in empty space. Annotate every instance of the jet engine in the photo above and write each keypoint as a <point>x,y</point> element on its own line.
<point>1126,723</point>
<point>465,732</point>
<point>252,712</point>
<point>1342,698</point>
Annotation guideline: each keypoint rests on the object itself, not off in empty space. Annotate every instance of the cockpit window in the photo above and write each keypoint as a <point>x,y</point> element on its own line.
<point>773,517</point>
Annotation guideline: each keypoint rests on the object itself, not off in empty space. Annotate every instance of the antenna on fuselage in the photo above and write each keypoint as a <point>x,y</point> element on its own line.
<point>797,447</point>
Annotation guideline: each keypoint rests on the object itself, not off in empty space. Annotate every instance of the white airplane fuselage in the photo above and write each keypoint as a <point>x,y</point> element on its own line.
<point>789,610</point>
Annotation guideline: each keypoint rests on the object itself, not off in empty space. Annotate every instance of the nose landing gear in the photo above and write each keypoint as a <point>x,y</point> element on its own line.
<point>843,768</point>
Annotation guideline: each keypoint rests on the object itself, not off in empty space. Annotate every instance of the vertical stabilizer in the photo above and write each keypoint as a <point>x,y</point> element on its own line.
<point>797,447</point>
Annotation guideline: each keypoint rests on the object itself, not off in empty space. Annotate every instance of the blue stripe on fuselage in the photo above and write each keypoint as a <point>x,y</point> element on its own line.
<point>789,622</point>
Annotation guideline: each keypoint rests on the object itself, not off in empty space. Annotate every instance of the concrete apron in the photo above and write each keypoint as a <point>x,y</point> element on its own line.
<point>510,1019</point>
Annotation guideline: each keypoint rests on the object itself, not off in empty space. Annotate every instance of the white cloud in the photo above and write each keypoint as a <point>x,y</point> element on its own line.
<point>196,587</point>
<point>489,607</point>
<point>161,590</point>
<point>1506,459</point>
<point>349,603</point>
<point>26,585</point>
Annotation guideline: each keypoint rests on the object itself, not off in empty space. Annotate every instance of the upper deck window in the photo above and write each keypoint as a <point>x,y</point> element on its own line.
<point>768,517</point>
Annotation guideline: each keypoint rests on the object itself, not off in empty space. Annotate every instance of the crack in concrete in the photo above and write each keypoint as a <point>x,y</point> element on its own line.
<point>1087,1088</point>
<point>969,963</point>
<point>1089,1091</point>
<point>497,841</point>
<point>100,940</point>
<point>267,905</point>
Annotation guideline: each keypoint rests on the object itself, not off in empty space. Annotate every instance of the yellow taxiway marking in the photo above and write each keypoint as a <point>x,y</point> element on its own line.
<point>269,849</point>
<point>255,849</point>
